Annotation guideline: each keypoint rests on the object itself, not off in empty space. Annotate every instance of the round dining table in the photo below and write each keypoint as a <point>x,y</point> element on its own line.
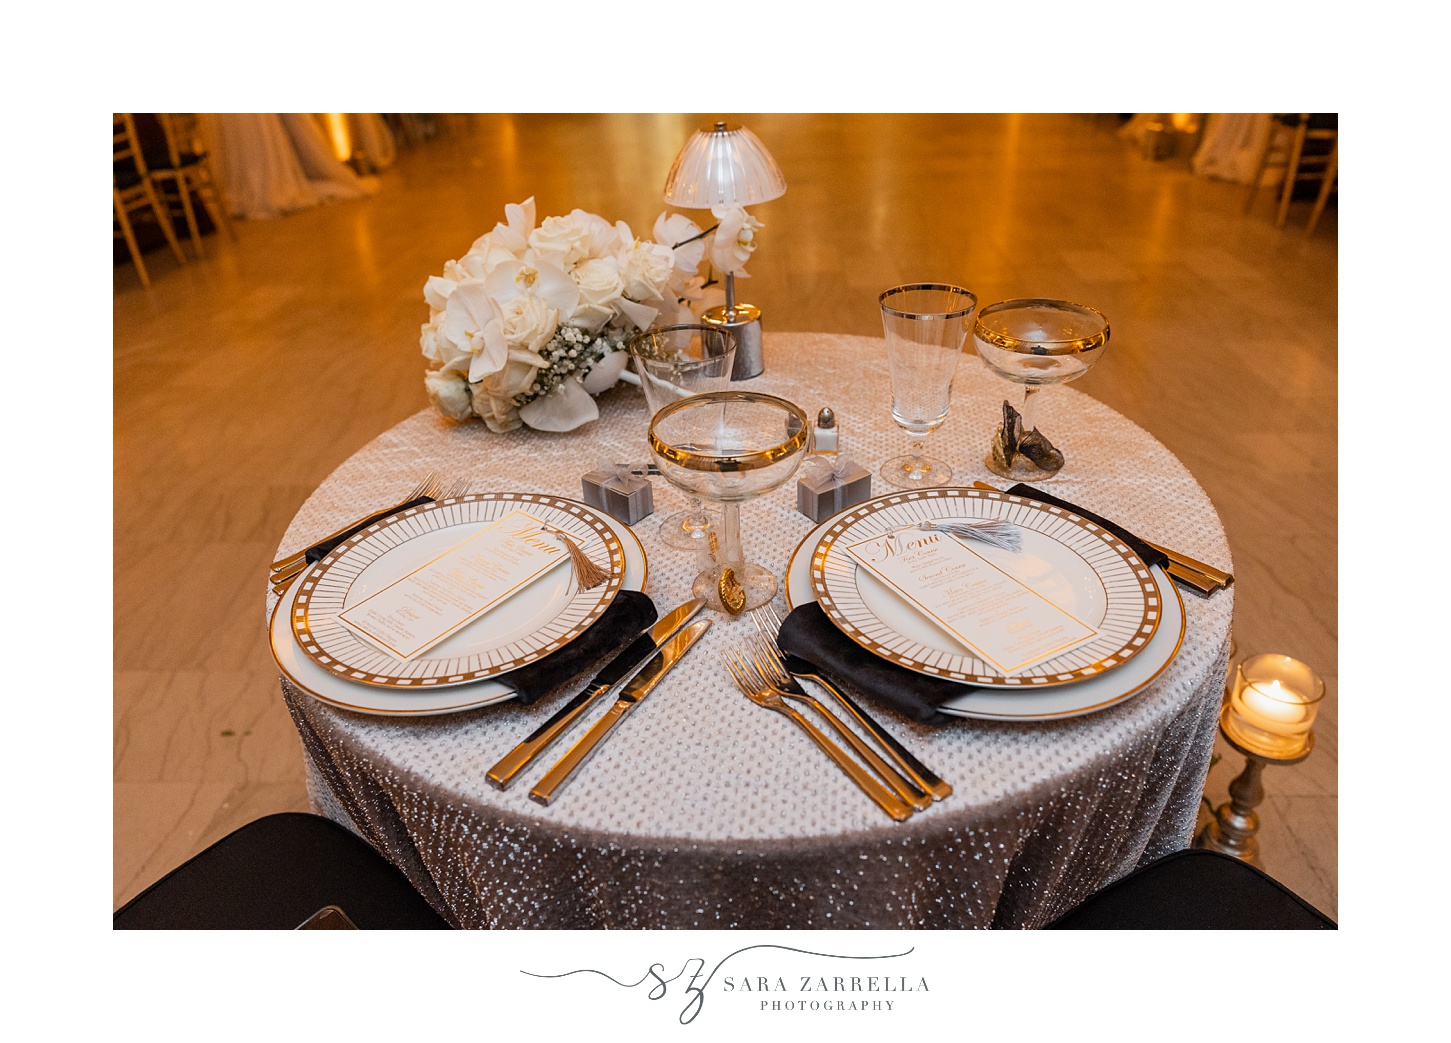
<point>704,810</point>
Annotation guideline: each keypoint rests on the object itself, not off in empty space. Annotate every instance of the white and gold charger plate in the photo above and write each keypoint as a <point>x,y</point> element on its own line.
<point>1079,566</point>
<point>1044,573</point>
<point>444,530</point>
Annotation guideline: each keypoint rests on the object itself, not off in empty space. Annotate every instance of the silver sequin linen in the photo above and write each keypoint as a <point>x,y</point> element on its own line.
<point>704,811</point>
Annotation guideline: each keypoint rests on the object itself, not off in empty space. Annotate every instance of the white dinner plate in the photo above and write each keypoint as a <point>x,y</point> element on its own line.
<point>1036,704</point>
<point>1069,561</point>
<point>545,615</point>
<point>328,687</point>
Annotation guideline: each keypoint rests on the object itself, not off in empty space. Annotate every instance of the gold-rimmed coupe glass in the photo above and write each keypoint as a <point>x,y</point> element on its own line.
<point>675,362</point>
<point>926,326</point>
<point>729,447</point>
<point>1034,342</point>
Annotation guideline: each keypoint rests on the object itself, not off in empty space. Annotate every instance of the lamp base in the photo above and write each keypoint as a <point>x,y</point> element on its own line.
<point>745,323</point>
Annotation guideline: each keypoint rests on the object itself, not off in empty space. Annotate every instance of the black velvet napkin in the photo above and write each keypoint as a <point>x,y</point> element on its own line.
<point>808,633</point>
<point>811,635</point>
<point>629,614</point>
<point>1143,550</point>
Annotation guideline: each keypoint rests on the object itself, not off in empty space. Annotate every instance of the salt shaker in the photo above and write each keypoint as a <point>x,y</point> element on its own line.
<point>826,432</point>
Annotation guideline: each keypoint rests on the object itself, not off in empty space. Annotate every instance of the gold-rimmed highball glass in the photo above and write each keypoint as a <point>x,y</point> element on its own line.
<point>926,326</point>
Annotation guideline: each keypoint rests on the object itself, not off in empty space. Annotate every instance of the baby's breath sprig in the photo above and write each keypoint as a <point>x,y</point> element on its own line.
<point>571,352</point>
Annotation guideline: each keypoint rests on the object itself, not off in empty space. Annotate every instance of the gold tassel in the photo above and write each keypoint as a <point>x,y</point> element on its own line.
<point>586,573</point>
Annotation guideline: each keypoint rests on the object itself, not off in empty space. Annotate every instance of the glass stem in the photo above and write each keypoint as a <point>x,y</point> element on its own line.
<point>1030,392</point>
<point>915,466</point>
<point>730,547</point>
<point>698,519</point>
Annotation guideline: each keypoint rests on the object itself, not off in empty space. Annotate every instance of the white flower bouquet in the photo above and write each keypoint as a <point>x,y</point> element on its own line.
<point>529,325</point>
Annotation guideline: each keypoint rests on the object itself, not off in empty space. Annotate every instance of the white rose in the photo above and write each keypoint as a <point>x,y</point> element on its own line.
<point>494,397</point>
<point>734,240</point>
<point>529,323</point>
<point>497,412</point>
<point>484,256</point>
<point>600,286</point>
<point>599,281</point>
<point>647,269</point>
<point>435,347</point>
<point>568,240</point>
<point>456,271</point>
<point>448,390</point>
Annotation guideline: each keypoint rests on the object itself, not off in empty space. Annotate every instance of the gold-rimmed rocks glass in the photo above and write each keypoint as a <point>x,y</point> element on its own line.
<point>926,327</point>
<point>674,362</point>
<point>729,447</point>
<point>1034,342</point>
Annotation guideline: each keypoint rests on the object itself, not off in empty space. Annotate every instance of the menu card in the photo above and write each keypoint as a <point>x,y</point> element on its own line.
<point>995,616</point>
<point>432,602</point>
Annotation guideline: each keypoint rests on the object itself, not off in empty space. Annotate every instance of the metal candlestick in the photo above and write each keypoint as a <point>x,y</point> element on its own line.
<point>1233,827</point>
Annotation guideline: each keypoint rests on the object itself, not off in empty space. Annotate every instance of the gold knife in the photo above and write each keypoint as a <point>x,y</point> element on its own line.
<point>1204,578</point>
<point>633,694</point>
<point>615,671</point>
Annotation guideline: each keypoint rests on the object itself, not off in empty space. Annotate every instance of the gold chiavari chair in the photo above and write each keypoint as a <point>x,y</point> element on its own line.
<point>132,190</point>
<point>187,171</point>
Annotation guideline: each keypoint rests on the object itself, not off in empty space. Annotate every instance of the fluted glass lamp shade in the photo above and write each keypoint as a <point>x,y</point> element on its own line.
<point>723,166</point>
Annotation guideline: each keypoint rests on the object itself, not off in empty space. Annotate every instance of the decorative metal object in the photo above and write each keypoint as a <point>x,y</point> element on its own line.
<point>722,167</point>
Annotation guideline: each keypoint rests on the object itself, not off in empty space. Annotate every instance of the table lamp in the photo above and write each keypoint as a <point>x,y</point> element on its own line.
<point>1268,716</point>
<point>728,166</point>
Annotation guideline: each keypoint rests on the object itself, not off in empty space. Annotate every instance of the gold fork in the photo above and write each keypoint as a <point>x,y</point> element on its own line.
<point>770,673</point>
<point>769,624</point>
<point>764,696</point>
<point>430,488</point>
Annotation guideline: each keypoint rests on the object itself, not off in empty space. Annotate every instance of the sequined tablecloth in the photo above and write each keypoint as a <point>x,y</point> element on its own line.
<point>705,811</point>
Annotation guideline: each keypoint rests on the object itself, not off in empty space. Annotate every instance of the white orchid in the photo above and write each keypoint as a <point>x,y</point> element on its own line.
<point>606,372</point>
<point>474,324</point>
<point>436,347</point>
<point>563,409</point>
<point>684,238</point>
<point>513,236</point>
<point>521,279</point>
<point>734,240</point>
